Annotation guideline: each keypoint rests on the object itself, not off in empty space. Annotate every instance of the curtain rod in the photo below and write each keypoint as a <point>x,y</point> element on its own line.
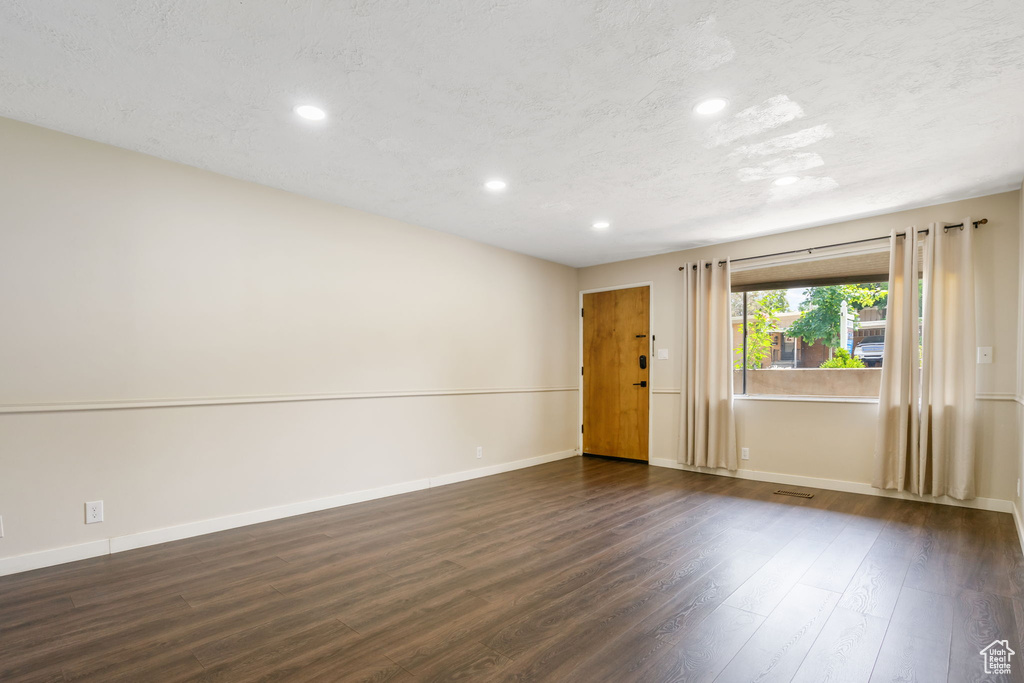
<point>809,250</point>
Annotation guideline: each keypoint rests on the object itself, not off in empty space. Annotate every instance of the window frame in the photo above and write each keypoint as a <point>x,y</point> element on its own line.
<point>796,284</point>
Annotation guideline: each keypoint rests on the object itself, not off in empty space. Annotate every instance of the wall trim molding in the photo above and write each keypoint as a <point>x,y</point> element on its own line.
<point>117,544</point>
<point>130,404</point>
<point>993,504</point>
<point>993,396</point>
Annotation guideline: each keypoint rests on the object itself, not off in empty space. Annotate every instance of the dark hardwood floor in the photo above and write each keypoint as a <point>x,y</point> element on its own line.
<point>581,570</point>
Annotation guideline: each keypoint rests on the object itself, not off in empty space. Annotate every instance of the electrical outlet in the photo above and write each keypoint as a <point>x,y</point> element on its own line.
<point>984,355</point>
<point>2,518</point>
<point>744,454</point>
<point>94,512</point>
<point>479,451</point>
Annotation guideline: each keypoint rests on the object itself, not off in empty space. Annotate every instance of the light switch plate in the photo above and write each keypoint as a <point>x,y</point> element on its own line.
<point>662,354</point>
<point>984,354</point>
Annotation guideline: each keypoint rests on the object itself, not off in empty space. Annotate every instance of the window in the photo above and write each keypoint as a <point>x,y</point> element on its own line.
<point>812,328</point>
<point>810,341</point>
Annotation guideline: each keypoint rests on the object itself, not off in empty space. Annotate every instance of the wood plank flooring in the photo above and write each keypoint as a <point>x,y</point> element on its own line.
<point>579,570</point>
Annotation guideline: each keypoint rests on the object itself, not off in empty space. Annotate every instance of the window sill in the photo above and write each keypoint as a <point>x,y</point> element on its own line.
<point>806,399</point>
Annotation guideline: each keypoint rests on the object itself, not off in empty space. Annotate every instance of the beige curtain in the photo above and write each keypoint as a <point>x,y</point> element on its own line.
<point>926,406</point>
<point>707,432</point>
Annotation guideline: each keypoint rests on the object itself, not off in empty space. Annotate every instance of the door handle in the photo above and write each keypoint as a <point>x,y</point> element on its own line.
<point>639,384</point>
<point>643,362</point>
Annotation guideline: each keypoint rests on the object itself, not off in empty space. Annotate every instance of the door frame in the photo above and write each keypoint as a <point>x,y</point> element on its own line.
<point>650,355</point>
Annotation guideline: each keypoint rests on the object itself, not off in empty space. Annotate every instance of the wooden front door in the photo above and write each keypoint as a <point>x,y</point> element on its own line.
<point>616,372</point>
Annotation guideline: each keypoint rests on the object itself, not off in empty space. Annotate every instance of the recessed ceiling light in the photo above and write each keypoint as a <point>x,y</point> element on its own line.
<point>602,225</point>
<point>310,113</point>
<point>711,106</point>
<point>495,185</point>
<point>786,180</point>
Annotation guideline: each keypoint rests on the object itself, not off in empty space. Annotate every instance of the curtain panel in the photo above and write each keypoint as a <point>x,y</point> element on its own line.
<point>707,425</point>
<point>926,418</point>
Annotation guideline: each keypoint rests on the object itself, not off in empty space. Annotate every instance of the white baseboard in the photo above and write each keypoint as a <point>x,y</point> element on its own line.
<point>465,475</point>
<point>993,504</point>
<point>208,526</point>
<point>49,558</point>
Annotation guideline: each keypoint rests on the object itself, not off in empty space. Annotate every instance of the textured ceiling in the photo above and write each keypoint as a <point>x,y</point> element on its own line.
<point>583,106</point>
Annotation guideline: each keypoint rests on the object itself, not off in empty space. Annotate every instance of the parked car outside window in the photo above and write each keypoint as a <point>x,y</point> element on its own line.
<point>870,351</point>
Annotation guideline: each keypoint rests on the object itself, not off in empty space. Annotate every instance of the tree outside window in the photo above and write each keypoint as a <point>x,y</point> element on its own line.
<point>763,309</point>
<point>821,310</point>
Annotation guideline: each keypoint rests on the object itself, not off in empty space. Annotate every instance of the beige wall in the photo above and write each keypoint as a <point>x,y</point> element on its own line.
<point>128,279</point>
<point>838,438</point>
<point>1019,500</point>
